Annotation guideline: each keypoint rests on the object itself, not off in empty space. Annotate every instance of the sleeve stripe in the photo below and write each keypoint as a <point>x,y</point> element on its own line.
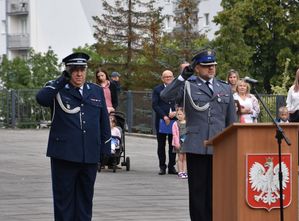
<point>108,140</point>
<point>49,86</point>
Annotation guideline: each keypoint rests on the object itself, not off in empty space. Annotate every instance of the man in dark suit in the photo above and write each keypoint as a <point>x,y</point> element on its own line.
<point>79,134</point>
<point>165,111</point>
<point>209,108</point>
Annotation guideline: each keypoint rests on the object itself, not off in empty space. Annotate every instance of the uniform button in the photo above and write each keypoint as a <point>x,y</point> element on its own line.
<point>82,113</point>
<point>84,122</point>
<point>82,105</point>
<point>84,131</point>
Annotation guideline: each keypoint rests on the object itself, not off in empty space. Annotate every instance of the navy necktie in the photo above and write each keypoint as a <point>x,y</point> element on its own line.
<point>78,90</point>
<point>208,84</point>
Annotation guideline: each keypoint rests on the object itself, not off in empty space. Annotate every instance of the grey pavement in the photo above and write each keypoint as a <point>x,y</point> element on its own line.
<point>139,194</point>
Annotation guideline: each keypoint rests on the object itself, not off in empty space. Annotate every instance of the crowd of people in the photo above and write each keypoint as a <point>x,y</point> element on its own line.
<point>189,110</point>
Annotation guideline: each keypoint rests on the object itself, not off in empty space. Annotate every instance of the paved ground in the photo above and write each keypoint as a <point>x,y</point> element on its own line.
<point>139,194</point>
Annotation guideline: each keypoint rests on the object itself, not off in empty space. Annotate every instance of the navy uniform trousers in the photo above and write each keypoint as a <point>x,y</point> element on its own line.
<point>199,169</point>
<point>73,185</point>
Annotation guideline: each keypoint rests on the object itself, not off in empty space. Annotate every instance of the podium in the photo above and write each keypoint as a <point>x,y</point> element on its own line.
<point>232,179</point>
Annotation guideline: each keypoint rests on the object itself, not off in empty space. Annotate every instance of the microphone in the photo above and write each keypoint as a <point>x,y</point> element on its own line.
<point>250,80</point>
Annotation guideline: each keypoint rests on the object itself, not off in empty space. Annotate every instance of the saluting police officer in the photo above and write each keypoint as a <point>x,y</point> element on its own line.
<point>209,108</point>
<point>80,132</point>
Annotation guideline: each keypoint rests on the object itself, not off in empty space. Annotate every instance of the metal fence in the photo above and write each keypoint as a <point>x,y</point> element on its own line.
<point>19,109</point>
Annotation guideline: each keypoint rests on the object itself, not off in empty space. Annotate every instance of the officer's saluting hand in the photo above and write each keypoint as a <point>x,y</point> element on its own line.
<point>186,71</point>
<point>66,74</point>
<point>79,134</point>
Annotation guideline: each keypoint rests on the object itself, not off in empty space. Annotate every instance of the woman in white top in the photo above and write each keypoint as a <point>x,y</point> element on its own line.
<point>250,108</point>
<point>293,100</point>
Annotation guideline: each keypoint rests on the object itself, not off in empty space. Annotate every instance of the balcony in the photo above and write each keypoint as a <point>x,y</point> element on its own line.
<point>16,7</point>
<point>18,41</point>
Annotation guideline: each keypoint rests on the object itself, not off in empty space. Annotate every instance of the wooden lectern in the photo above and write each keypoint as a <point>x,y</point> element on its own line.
<point>231,148</point>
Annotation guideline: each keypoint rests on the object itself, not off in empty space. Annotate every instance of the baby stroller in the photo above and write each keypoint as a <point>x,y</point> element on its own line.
<point>118,156</point>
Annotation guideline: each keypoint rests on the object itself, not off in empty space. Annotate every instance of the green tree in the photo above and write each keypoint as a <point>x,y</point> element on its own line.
<point>43,67</point>
<point>15,74</point>
<point>256,37</point>
<point>29,73</point>
<point>285,79</point>
<point>174,53</point>
<point>122,32</point>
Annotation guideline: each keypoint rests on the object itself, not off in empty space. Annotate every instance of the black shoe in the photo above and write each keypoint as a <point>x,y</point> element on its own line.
<point>172,171</point>
<point>162,172</point>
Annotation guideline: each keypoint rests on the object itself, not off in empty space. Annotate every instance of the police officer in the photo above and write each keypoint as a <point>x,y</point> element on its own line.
<point>79,133</point>
<point>209,108</point>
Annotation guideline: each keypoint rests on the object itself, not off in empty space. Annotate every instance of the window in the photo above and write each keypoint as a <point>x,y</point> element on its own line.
<point>3,27</point>
<point>24,26</point>
<point>207,19</point>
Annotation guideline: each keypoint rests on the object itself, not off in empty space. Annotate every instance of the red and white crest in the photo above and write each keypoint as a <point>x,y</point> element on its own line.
<point>262,182</point>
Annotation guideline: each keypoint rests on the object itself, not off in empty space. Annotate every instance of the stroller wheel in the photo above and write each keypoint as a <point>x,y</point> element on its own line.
<point>128,163</point>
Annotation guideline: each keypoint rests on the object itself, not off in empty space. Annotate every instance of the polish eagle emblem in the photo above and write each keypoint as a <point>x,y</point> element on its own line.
<point>263,183</point>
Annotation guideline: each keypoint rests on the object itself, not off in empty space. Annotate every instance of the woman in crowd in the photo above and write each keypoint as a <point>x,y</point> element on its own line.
<point>110,90</point>
<point>232,79</point>
<point>293,100</point>
<point>249,106</point>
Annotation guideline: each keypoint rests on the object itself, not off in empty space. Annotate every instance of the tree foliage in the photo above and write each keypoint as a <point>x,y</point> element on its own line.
<point>123,31</point>
<point>257,36</point>
<point>29,73</point>
<point>282,89</point>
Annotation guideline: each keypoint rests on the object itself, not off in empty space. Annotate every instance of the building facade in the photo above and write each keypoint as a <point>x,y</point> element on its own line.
<point>57,24</point>
<point>66,24</point>
<point>205,12</point>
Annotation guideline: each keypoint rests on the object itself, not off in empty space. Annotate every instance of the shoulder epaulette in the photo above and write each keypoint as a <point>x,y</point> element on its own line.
<point>222,81</point>
<point>48,83</point>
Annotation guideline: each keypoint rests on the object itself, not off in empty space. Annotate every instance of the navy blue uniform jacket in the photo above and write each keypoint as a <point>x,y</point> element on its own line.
<point>80,129</point>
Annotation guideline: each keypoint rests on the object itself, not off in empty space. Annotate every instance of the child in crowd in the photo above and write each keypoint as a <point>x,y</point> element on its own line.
<point>178,137</point>
<point>283,115</point>
<point>115,134</point>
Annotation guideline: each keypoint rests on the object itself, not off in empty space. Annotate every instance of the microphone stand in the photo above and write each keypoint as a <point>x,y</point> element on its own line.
<point>279,136</point>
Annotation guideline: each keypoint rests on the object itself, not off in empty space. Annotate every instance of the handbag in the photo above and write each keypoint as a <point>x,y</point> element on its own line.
<point>165,129</point>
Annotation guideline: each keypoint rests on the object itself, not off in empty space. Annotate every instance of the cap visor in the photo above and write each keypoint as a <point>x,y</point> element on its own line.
<point>210,63</point>
<point>76,64</point>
